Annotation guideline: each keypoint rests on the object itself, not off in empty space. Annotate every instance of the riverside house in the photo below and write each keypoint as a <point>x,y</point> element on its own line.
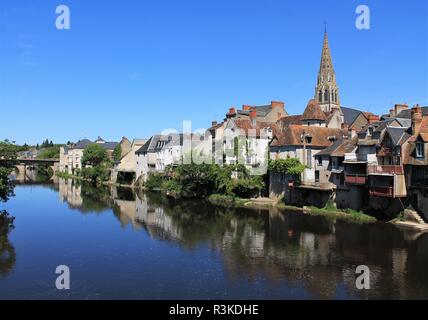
<point>71,155</point>
<point>157,153</point>
<point>125,170</point>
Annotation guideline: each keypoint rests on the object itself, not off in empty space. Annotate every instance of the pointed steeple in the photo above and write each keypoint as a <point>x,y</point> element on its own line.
<point>327,91</point>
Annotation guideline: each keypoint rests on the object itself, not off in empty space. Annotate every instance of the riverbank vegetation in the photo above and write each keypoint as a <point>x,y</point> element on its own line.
<point>290,166</point>
<point>96,166</point>
<point>8,156</point>
<point>330,211</point>
<point>203,180</point>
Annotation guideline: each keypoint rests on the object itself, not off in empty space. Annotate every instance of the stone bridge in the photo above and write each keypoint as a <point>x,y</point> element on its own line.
<point>25,166</point>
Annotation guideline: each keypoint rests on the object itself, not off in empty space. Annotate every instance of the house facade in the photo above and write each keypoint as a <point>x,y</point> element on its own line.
<point>71,155</point>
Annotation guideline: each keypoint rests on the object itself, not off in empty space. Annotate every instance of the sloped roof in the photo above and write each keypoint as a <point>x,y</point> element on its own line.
<point>407,113</point>
<point>350,114</point>
<point>313,111</point>
<point>247,124</point>
<point>320,136</point>
<point>109,145</point>
<point>398,135</point>
<point>284,122</point>
<point>152,145</point>
<point>82,144</point>
<point>422,131</point>
<point>145,147</point>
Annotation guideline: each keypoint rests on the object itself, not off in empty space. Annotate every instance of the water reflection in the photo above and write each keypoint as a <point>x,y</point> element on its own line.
<point>302,251</point>
<point>7,250</point>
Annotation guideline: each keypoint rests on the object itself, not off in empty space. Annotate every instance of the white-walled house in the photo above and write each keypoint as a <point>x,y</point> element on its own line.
<point>157,153</point>
<point>250,138</point>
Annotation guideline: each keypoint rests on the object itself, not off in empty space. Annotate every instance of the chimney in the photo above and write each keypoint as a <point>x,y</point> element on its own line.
<point>416,118</point>
<point>278,104</point>
<point>246,107</point>
<point>253,114</point>
<point>232,112</point>
<point>372,118</point>
<point>400,107</point>
<point>392,113</point>
<point>352,133</point>
<point>214,123</point>
<point>253,117</point>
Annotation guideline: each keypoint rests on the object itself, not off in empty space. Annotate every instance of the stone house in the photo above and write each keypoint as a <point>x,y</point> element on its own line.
<point>246,141</point>
<point>157,153</point>
<point>71,156</point>
<point>125,170</point>
<point>303,143</point>
<point>416,162</point>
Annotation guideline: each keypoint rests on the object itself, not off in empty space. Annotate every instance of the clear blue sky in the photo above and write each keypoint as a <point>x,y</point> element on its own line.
<point>134,68</point>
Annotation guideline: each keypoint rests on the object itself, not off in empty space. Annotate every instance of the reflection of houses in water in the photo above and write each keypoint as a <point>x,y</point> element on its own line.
<point>158,224</point>
<point>127,212</point>
<point>71,193</point>
<point>302,251</point>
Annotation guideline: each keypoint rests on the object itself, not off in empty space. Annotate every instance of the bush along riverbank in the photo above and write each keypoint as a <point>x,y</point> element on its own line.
<point>204,180</point>
<point>331,212</point>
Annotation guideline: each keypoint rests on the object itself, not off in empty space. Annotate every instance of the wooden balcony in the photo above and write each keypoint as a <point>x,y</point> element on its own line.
<point>384,151</point>
<point>356,179</point>
<point>386,169</point>
<point>382,191</point>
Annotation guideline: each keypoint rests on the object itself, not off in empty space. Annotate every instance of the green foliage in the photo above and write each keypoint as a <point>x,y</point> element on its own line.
<point>290,166</point>
<point>47,144</point>
<point>6,223</point>
<point>117,153</point>
<point>196,180</point>
<point>94,155</point>
<point>97,174</point>
<point>49,153</point>
<point>245,188</point>
<point>203,180</point>
<point>154,181</point>
<point>8,157</point>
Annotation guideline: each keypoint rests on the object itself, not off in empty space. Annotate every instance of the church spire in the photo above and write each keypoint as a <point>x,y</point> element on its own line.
<point>327,91</point>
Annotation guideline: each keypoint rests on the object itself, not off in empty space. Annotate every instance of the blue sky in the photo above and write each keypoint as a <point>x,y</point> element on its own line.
<point>134,67</point>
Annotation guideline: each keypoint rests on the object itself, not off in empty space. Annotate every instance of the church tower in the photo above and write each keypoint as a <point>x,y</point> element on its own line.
<point>327,91</point>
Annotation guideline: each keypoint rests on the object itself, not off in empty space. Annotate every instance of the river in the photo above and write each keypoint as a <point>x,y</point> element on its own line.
<point>122,245</point>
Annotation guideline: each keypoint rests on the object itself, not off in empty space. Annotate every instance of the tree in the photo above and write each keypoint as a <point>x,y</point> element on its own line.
<point>289,166</point>
<point>94,155</point>
<point>49,153</point>
<point>117,153</point>
<point>8,157</point>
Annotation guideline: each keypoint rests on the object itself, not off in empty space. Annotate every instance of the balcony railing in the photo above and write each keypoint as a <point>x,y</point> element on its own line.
<point>386,169</point>
<point>381,191</point>
<point>352,178</point>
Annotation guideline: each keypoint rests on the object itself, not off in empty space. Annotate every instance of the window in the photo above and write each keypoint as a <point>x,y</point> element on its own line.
<point>320,96</point>
<point>420,152</point>
<point>309,158</point>
<point>326,96</point>
<point>320,161</point>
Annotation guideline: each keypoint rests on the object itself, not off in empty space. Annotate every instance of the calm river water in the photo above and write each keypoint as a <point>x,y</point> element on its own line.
<point>120,245</point>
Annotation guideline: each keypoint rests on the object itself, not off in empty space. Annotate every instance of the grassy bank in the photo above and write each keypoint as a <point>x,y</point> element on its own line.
<point>228,201</point>
<point>330,212</point>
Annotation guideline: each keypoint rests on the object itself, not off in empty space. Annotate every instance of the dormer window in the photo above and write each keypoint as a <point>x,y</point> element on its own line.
<point>420,150</point>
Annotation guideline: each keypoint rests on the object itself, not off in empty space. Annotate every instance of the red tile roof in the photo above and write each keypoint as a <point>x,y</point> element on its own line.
<point>247,124</point>
<point>313,112</point>
<point>320,136</point>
